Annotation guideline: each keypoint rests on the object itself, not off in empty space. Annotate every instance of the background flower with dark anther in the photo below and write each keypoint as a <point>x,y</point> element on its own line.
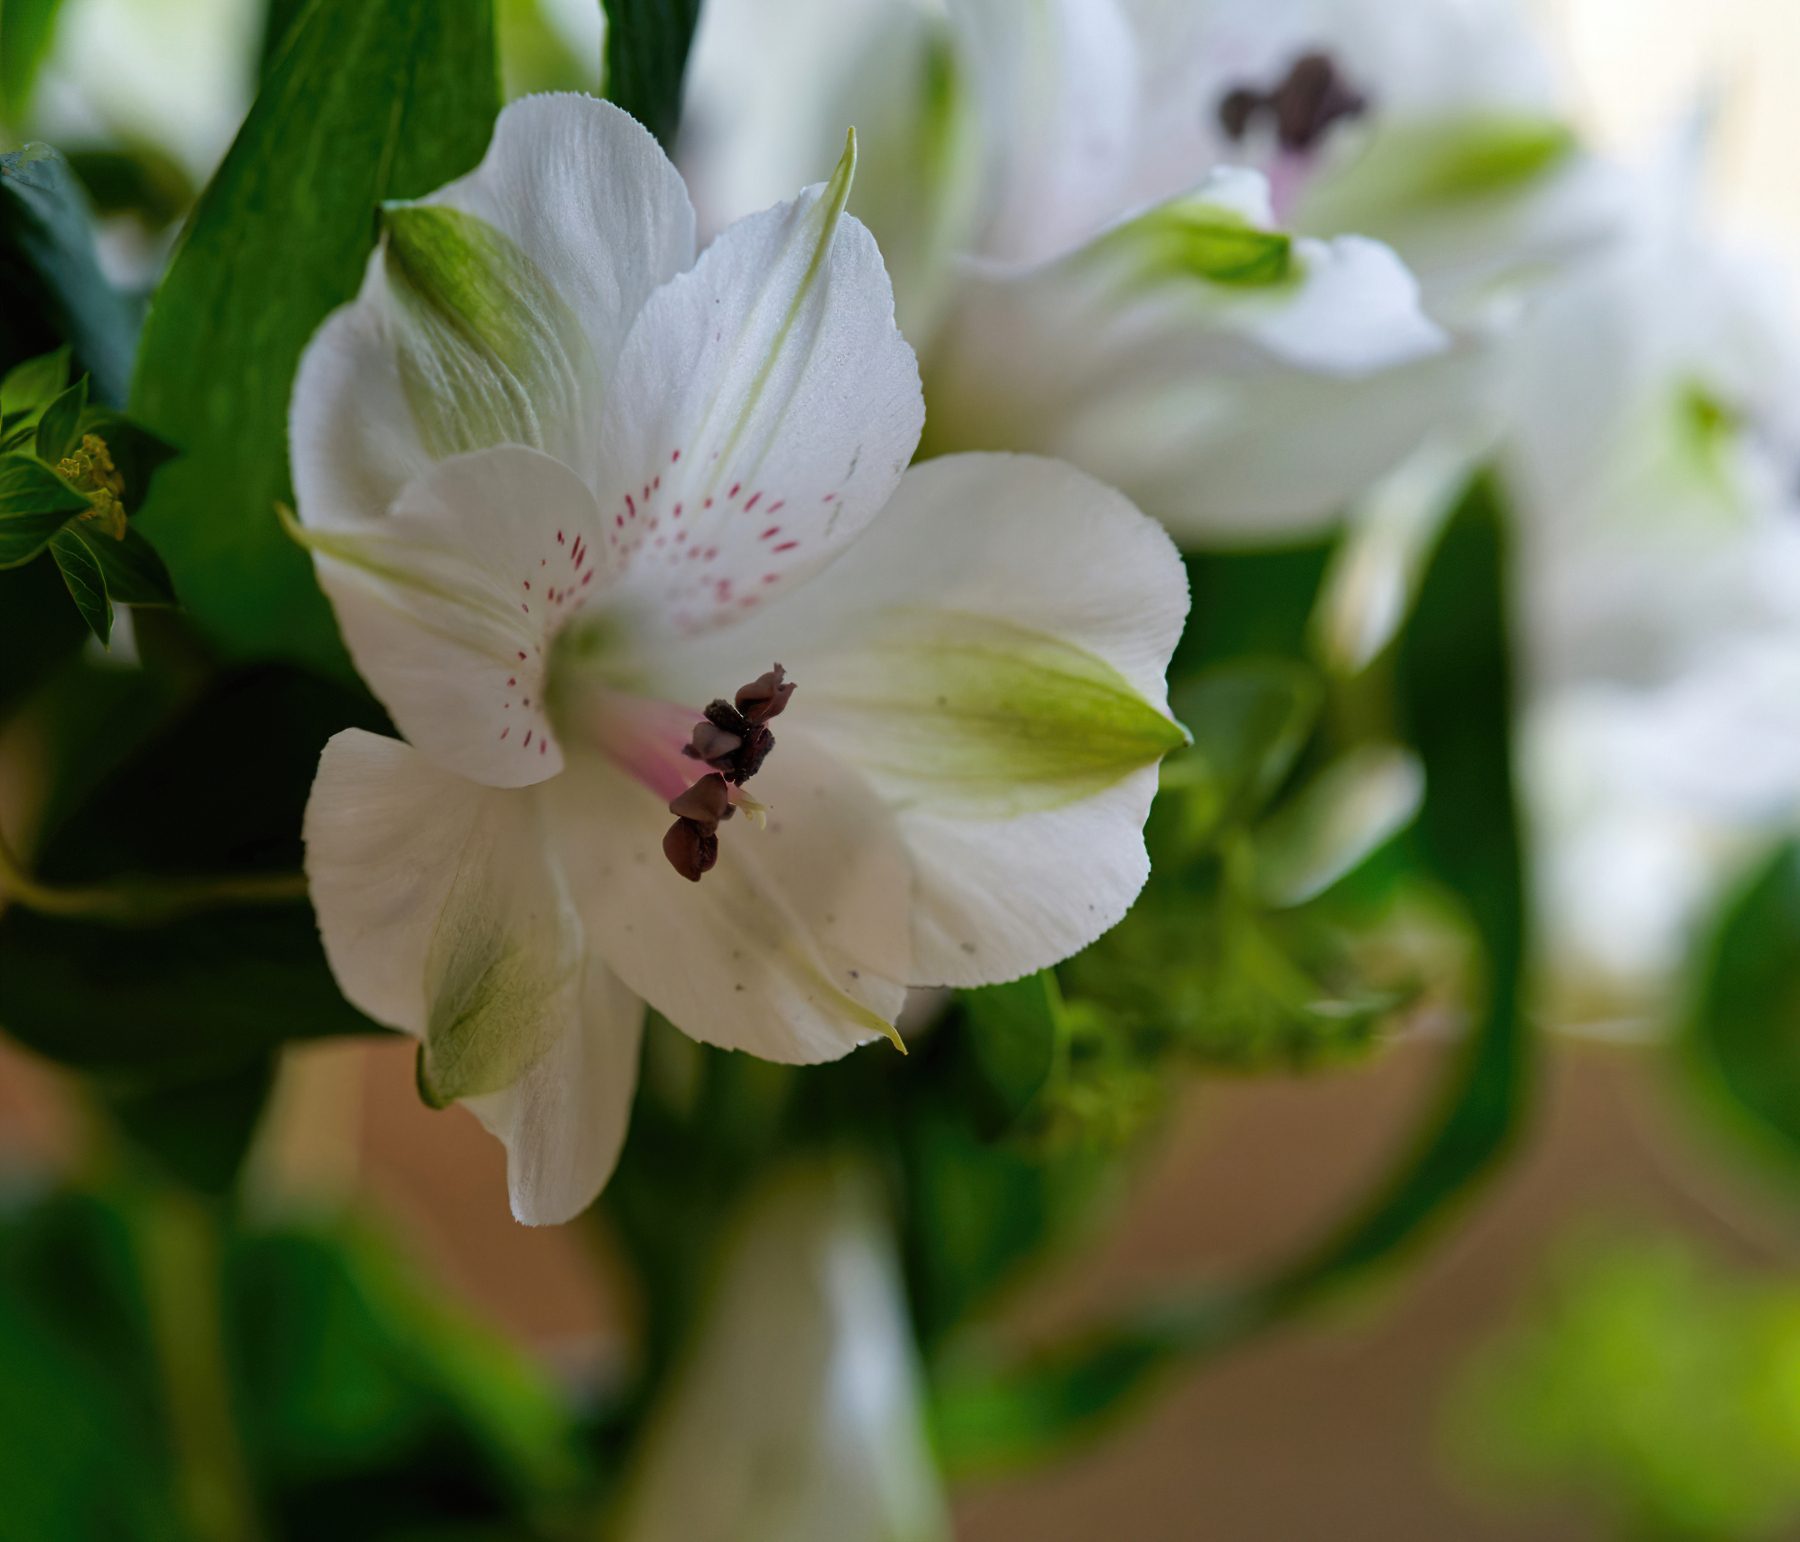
<point>565,485</point>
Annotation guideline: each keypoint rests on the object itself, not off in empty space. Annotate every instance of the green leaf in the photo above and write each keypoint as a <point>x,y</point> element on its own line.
<point>1345,814</point>
<point>59,429</point>
<point>222,789</point>
<point>1015,1034</point>
<point>197,1133</point>
<point>646,57</point>
<point>34,504</point>
<point>26,28</point>
<point>1742,1032</point>
<point>134,574</point>
<point>31,386</point>
<point>280,238</point>
<point>51,276</point>
<point>1250,721</point>
<point>1454,677</point>
<point>85,581</point>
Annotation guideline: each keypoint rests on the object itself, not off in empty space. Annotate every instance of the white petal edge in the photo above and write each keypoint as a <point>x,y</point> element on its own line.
<point>564,1122</point>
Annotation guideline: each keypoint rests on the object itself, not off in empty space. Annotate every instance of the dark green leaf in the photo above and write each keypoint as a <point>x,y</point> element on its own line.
<point>33,384</point>
<point>38,629</point>
<point>26,28</point>
<point>222,790</point>
<point>1015,1033</point>
<point>134,574</point>
<point>55,291</point>
<point>86,584</point>
<point>34,504</point>
<point>646,57</point>
<point>279,238</point>
<point>1454,676</point>
<point>197,1133</point>
<point>59,429</point>
<point>1743,1029</point>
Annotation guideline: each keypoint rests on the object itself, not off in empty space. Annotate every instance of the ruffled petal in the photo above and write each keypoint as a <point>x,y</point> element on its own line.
<point>990,655</point>
<point>764,409</point>
<point>493,311</point>
<point>563,1122</point>
<point>449,605</point>
<point>441,912</point>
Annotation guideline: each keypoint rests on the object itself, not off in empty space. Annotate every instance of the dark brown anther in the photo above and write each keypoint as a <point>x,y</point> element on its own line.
<point>766,696</point>
<point>706,803</point>
<point>712,744</point>
<point>1305,104</point>
<point>745,761</point>
<point>692,849</point>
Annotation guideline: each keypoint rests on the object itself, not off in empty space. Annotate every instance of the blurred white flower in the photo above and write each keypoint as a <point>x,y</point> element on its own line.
<point>1136,233</point>
<point>797,1415</point>
<point>1653,454</point>
<point>565,484</point>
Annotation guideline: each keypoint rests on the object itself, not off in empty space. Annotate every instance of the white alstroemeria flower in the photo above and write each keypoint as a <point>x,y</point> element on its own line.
<point>565,485</point>
<point>1653,454</point>
<point>1164,211</point>
<point>797,1415</point>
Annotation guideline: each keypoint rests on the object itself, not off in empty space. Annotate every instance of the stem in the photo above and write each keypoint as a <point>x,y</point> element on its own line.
<point>178,1244</point>
<point>144,901</point>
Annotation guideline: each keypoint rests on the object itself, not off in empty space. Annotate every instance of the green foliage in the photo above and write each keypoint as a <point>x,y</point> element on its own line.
<point>1743,1026</point>
<point>26,30</point>
<point>279,238</point>
<point>1453,673</point>
<point>366,1406</point>
<point>221,790</point>
<point>51,277</point>
<point>1652,1387</point>
<point>646,57</point>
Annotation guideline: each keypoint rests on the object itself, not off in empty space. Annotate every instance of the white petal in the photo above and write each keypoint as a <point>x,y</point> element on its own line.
<point>1026,840</point>
<point>798,1416</point>
<point>424,883</point>
<point>448,605</point>
<point>764,409</point>
<point>1056,82</point>
<point>564,1121</point>
<point>1356,310</point>
<point>794,947</point>
<point>600,214</point>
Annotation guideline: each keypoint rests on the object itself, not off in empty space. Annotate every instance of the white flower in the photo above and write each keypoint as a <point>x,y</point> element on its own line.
<point>797,1415</point>
<point>1165,211</point>
<point>565,485</point>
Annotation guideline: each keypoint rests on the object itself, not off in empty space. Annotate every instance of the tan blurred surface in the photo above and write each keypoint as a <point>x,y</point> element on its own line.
<point>1328,1430</point>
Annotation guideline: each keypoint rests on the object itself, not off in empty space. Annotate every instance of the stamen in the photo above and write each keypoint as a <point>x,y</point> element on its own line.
<point>734,741</point>
<point>1305,104</point>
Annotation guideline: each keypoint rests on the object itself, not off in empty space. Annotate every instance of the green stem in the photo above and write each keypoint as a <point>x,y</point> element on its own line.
<point>143,901</point>
<point>178,1244</point>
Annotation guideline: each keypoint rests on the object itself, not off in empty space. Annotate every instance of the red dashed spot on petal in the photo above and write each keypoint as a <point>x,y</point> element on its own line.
<point>619,520</point>
<point>587,578</point>
<point>524,607</point>
<point>656,483</point>
<point>543,744</point>
<point>779,503</point>
<point>711,552</point>
<point>751,501</point>
<point>787,546</point>
<point>506,730</point>
<point>559,538</point>
<point>723,589</point>
<point>528,733</point>
<point>707,504</point>
<point>521,656</point>
<point>829,498</point>
<point>734,489</point>
<point>513,679</point>
<point>769,578</point>
<point>773,530</point>
<point>630,506</point>
<point>677,512</point>
<point>674,455</point>
<point>680,536</point>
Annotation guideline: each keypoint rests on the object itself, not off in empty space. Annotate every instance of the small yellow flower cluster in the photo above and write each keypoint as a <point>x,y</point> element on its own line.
<point>91,469</point>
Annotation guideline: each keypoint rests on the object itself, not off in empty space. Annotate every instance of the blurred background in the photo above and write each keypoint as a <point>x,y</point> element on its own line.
<point>1611,1338</point>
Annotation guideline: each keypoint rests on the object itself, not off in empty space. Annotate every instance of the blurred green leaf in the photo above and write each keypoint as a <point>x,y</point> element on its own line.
<point>1250,719</point>
<point>26,29</point>
<point>134,574</point>
<point>278,239</point>
<point>1454,679</point>
<point>1743,1027</point>
<point>221,790</point>
<point>646,57</point>
<point>1650,1384</point>
<point>1336,822</point>
<point>1015,1035</point>
<point>34,504</point>
<point>32,384</point>
<point>51,277</point>
<point>197,1133</point>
